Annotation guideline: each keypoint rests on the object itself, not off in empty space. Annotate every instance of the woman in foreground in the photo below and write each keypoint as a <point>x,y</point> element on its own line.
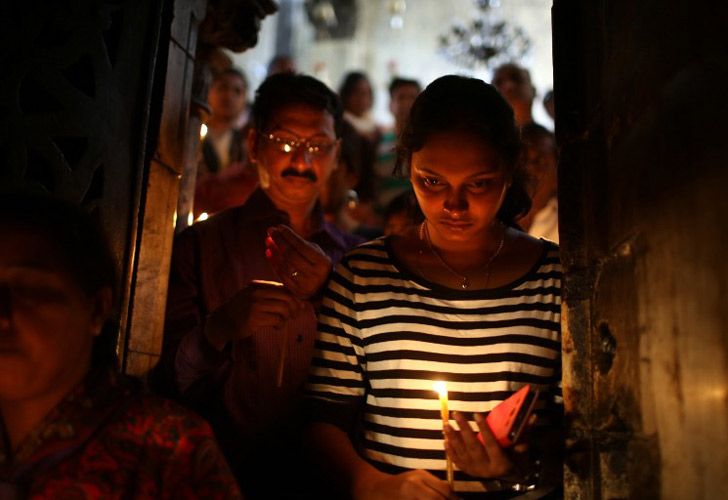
<point>464,297</point>
<point>70,425</point>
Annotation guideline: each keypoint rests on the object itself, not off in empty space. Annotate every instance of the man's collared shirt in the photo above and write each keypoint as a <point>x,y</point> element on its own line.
<point>211,262</point>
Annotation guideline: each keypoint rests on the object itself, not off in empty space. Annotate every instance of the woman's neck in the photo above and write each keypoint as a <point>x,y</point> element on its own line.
<point>22,416</point>
<point>477,267</point>
<point>471,251</point>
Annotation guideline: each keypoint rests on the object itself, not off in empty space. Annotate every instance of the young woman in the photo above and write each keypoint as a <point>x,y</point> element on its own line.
<point>360,131</point>
<point>70,425</point>
<point>464,297</point>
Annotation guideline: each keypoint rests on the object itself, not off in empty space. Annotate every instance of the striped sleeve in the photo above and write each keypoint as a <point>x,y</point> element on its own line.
<point>385,336</point>
<point>338,368</point>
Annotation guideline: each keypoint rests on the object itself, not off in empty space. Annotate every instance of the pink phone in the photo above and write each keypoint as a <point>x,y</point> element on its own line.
<point>509,418</point>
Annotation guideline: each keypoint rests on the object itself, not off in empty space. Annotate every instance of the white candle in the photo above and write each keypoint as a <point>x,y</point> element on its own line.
<point>441,389</point>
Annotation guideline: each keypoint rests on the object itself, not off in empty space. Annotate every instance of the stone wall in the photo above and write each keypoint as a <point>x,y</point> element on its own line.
<point>641,121</point>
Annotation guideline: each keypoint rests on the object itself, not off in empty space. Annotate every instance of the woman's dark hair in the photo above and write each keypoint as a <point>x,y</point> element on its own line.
<point>80,247</point>
<point>350,81</point>
<point>469,106</point>
<point>287,89</point>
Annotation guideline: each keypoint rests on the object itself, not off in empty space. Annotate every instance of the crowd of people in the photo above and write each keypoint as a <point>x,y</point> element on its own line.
<point>346,268</point>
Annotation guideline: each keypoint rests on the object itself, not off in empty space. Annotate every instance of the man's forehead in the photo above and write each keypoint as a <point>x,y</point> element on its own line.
<point>301,115</point>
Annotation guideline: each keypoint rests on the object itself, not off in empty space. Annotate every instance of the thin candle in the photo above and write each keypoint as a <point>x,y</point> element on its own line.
<point>284,342</point>
<point>282,359</point>
<point>441,389</point>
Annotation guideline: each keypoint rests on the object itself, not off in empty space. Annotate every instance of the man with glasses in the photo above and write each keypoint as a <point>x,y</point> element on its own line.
<point>241,321</point>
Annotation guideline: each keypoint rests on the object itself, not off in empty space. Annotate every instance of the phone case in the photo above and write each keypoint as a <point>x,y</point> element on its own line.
<point>509,418</point>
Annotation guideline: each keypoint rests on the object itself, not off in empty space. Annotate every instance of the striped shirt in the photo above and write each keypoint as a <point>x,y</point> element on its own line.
<point>385,335</point>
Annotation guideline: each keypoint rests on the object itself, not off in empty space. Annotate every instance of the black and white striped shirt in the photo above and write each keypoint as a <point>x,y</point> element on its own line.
<point>385,335</point>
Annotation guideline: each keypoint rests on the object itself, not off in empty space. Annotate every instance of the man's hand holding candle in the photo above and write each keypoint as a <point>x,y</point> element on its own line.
<point>259,305</point>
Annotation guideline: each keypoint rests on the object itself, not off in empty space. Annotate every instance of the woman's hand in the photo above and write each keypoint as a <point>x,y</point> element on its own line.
<point>301,265</point>
<point>414,485</point>
<point>484,460</point>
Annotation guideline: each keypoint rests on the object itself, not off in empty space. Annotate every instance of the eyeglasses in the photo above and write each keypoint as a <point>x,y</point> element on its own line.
<point>288,146</point>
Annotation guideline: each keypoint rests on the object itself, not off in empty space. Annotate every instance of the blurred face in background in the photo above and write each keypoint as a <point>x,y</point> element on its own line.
<point>227,97</point>
<point>514,84</point>
<point>401,101</point>
<point>360,99</point>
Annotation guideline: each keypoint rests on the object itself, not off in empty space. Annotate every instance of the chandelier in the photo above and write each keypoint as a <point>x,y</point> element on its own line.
<point>487,41</point>
<point>332,19</point>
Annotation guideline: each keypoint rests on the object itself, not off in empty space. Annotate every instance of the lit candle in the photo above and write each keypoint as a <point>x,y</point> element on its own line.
<point>441,389</point>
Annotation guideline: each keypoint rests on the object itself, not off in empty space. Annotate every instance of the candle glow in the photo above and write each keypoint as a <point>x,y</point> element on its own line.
<point>441,388</point>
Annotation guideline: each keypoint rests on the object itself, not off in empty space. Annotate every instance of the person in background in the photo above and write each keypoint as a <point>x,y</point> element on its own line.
<point>360,129</point>
<point>71,426</point>
<point>224,178</point>
<point>542,221</point>
<point>401,214</point>
<point>225,330</point>
<point>463,297</point>
<point>514,84</point>
<point>338,197</point>
<point>224,143</point>
<point>549,104</point>
<point>402,94</point>
<point>281,63</point>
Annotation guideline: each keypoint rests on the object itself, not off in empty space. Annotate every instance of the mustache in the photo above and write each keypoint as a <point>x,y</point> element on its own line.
<point>306,174</point>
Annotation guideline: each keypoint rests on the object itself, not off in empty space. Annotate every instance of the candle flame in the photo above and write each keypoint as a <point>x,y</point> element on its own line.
<point>203,131</point>
<point>440,387</point>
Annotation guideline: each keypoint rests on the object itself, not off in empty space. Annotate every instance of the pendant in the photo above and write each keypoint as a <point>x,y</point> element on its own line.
<point>465,283</point>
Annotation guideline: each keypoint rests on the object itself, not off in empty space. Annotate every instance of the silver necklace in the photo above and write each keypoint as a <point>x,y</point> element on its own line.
<point>464,280</point>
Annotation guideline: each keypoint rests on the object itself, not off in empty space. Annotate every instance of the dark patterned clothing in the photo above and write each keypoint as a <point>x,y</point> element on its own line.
<point>235,389</point>
<point>106,440</point>
<point>211,163</point>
